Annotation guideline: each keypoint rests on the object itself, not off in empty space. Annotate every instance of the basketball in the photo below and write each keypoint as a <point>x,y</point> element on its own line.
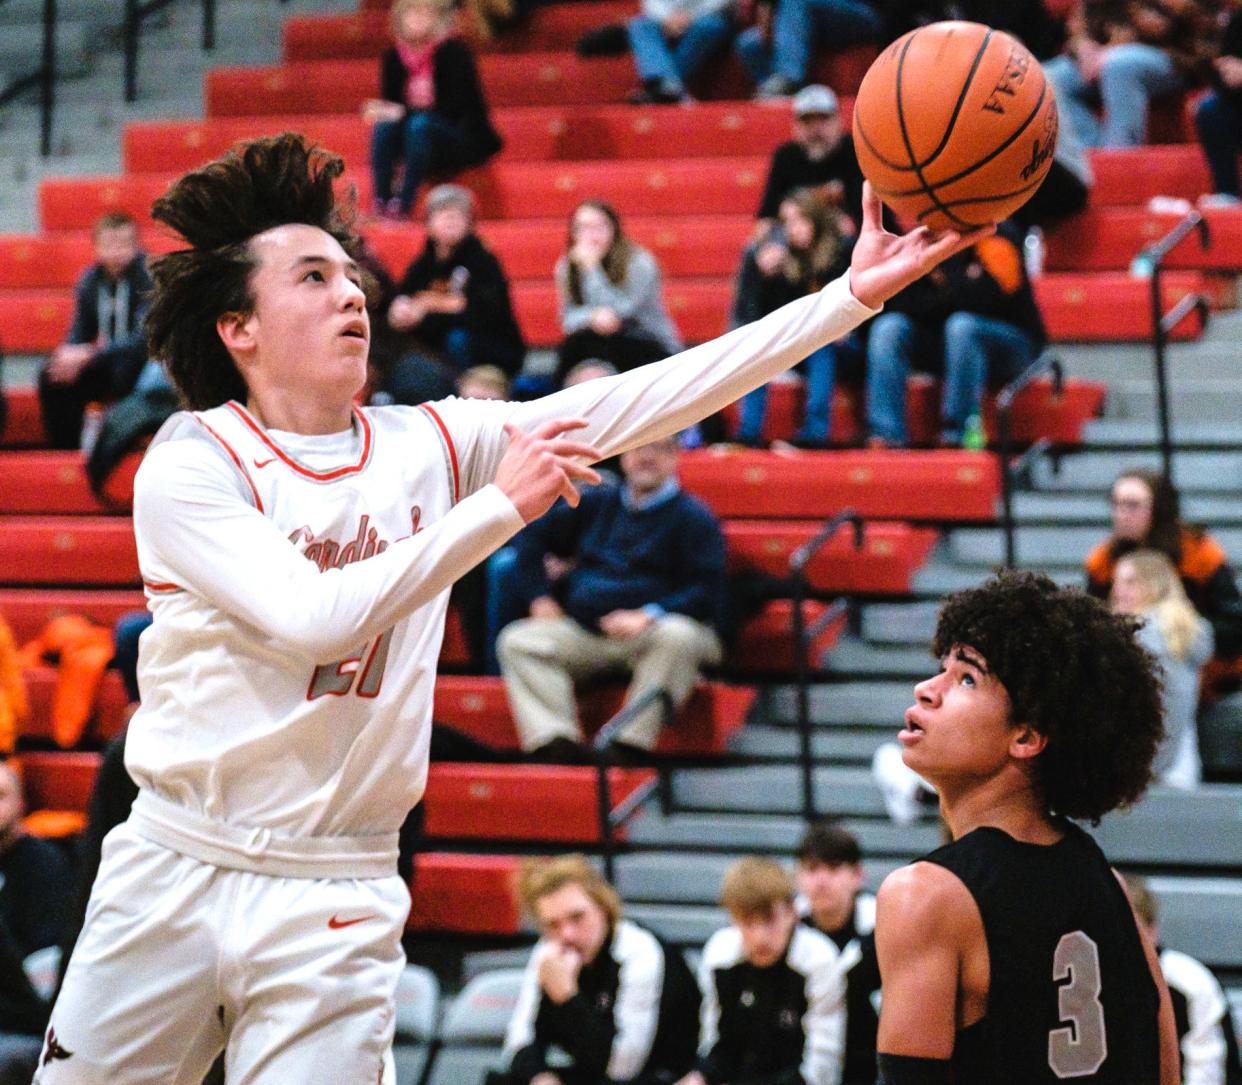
<point>955,125</point>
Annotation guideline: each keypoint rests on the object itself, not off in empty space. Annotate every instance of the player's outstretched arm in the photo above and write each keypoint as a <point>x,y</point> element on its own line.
<point>921,922</point>
<point>656,400</point>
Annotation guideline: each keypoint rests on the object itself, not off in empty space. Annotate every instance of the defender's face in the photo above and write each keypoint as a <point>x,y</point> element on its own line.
<point>959,726</point>
<point>766,937</point>
<point>309,331</point>
<point>571,918</point>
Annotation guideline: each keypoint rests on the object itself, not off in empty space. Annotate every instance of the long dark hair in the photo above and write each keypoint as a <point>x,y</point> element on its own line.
<point>218,209</point>
<point>616,261</point>
<point>814,265</point>
<point>1165,533</point>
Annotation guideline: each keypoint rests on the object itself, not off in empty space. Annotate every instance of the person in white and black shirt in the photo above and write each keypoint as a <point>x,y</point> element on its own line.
<point>773,990</point>
<point>603,1000</point>
<point>1208,1045</point>
<point>831,900</point>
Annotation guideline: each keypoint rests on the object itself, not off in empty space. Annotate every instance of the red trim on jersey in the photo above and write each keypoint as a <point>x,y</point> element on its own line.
<point>258,501</point>
<point>291,463</point>
<point>452,450</point>
<point>160,588</point>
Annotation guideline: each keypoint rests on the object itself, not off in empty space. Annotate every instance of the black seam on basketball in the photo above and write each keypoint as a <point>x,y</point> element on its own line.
<point>1043,94</point>
<point>905,137</point>
<point>896,167</point>
<point>983,199</point>
<point>961,98</point>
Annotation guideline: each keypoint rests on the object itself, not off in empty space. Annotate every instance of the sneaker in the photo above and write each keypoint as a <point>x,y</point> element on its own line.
<point>1218,201</point>
<point>904,791</point>
<point>774,88</point>
<point>659,92</point>
<point>560,751</point>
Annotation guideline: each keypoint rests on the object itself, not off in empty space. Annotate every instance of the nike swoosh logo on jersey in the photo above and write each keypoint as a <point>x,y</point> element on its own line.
<point>336,924</point>
<point>263,463</point>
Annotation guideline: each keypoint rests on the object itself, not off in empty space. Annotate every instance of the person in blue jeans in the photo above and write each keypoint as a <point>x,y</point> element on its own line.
<point>1120,58</point>
<point>976,317</point>
<point>431,115</point>
<point>777,49</point>
<point>1218,118</point>
<point>809,247</point>
<point>671,40</point>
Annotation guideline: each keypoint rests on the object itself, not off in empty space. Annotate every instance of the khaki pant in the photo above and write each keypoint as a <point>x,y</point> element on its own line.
<point>542,658</point>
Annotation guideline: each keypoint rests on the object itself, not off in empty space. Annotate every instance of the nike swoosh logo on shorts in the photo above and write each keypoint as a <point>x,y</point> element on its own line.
<point>260,464</point>
<point>335,924</point>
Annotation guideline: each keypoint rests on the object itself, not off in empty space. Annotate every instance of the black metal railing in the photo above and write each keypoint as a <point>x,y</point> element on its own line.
<point>609,819</point>
<point>136,14</point>
<point>1163,323</point>
<point>43,77</point>
<point>803,637</point>
<point>1010,471</point>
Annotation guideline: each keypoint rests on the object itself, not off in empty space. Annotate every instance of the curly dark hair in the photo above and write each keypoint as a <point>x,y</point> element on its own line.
<point>218,209</point>
<point>1076,674</point>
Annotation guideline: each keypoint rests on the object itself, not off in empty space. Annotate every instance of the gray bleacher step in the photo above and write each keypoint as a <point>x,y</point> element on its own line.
<point>1202,917</point>
<point>939,578</point>
<point>666,878</point>
<point>1046,547</point>
<point>1096,471</point>
<point>777,789</point>
<point>853,656</point>
<point>21,46</point>
<point>852,704</point>
<point>768,832</point>
<point>829,745</point>
<point>1082,509</point>
<point>681,924</point>
<point>1170,828</point>
<point>899,623</point>
<point>1134,431</point>
<point>1209,399</point>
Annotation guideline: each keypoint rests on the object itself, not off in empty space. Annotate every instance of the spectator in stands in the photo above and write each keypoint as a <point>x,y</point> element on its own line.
<point>609,290</point>
<point>1146,585</point>
<point>13,703</point>
<point>777,49</point>
<point>1146,516</point>
<point>820,156</point>
<point>1122,55</point>
<point>605,991</point>
<point>645,592</point>
<point>431,114</point>
<point>1207,1041</point>
<point>483,382</point>
<point>1218,117</point>
<point>810,248</point>
<point>671,41</point>
<point>832,900</point>
<point>773,991</point>
<point>453,301</point>
<point>105,351</point>
<point>976,318</point>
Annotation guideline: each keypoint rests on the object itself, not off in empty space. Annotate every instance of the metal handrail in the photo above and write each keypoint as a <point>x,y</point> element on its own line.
<point>44,77</point>
<point>1154,256</point>
<point>1004,407</point>
<point>136,11</point>
<point>798,562</point>
<point>610,819</point>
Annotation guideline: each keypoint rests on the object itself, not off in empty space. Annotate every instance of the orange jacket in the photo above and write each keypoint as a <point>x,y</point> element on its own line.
<point>13,704</point>
<point>84,651</point>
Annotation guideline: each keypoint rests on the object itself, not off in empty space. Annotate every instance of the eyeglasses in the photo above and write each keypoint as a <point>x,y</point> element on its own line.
<point>1130,504</point>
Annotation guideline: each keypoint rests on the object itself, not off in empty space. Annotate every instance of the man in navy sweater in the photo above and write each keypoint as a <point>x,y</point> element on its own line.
<point>644,591</point>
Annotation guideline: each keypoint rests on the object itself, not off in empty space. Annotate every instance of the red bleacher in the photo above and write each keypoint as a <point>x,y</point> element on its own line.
<point>45,482</point>
<point>63,550</point>
<point>28,610</point>
<point>56,788</point>
<point>467,894</point>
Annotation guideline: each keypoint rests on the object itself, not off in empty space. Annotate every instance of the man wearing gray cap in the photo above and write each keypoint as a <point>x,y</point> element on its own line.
<point>819,157</point>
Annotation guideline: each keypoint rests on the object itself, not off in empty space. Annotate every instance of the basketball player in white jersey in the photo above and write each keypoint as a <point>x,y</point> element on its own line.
<point>297,554</point>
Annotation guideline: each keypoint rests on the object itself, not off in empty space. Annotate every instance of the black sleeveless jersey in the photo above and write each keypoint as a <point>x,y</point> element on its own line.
<point>1070,995</point>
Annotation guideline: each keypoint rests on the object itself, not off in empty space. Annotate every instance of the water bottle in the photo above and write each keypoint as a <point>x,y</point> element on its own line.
<point>1033,252</point>
<point>974,439</point>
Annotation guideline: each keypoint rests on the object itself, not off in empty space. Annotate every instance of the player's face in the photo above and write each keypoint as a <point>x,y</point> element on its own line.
<point>571,918</point>
<point>765,937</point>
<point>1131,507</point>
<point>309,331</point>
<point>115,249</point>
<point>829,888</point>
<point>959,726</point>
<point>448,226</point>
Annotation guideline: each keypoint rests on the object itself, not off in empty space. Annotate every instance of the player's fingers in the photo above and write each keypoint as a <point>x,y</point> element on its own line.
<point>952,242</point>
<point>575,448</point>
<point>872,210</point>
<point>556,426</point>
<point>581,472</point>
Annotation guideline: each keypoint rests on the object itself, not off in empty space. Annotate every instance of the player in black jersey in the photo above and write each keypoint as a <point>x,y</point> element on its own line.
<point>1012,955</point>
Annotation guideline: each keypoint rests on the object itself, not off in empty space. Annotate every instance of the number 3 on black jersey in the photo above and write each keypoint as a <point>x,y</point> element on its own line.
<point>1080,1048</point>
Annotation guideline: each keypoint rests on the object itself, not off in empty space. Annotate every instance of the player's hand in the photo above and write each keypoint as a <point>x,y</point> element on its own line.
<point>884,264</point>
<point>605,321</point>
<point>68,361</point>
<point>545,608</point>
<point>625,624</point>
<point>558,973</point>
<point>541,466</point>
<point>375,110</point>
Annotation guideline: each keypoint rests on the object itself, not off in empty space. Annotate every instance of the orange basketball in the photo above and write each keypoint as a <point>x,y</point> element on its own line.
<point>955,125</point>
